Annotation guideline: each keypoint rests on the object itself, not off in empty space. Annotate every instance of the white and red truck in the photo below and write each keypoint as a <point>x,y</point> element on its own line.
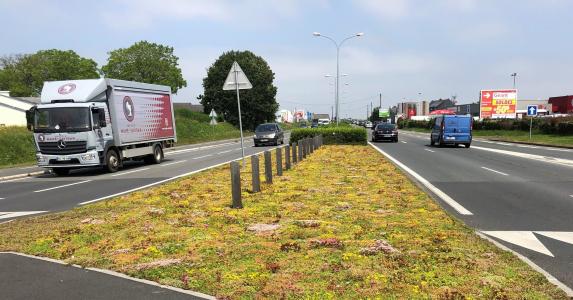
<point>101,122</point>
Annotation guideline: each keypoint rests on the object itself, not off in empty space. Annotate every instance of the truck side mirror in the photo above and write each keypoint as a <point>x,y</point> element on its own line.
<point>101,114</point>
<point>30,119</point>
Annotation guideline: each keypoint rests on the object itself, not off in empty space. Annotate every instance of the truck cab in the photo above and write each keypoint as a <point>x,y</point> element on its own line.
<point>101,122</point>
<point>452,130</point>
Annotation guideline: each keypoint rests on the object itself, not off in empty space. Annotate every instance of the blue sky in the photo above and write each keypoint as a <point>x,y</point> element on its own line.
<point>438,48</point>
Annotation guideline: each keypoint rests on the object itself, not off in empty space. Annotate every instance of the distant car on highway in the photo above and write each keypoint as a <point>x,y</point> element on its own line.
<point>385,131</point>
<point>452,130</point>
<point>314,124</point>
<point>269,133</point>
<point>368,124</point>
<point>322,122</point>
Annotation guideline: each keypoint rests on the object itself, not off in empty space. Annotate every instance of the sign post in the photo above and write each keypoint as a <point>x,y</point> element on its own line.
<point>213,116</point>
<point>237,80</point>
<point>531,112</point>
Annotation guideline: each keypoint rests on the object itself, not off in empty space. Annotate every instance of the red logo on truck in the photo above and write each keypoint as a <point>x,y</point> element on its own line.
<point>67,88</point>
<point>128,108</point>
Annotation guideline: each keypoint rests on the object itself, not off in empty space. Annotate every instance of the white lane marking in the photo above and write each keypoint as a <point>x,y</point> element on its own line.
<point>533,265</point>
<point>173,163</point>
<point>430,150</point>
<point>492,170</point>
<point>129,172</point>
<point>227,151</point>
<point>169,179</point>
<point>525,239</point>
<point>403,142</point>
<point>199,157</point>
<point>8,215</point>
<point>10,180</point>
<point>61,186</point>
<point>2,198</point>
<point>566,237</point>
<point>25,168</point>
<point>198,148</point>
<point>571,196</point>
<point>546,159</point>
<point>447,199</point>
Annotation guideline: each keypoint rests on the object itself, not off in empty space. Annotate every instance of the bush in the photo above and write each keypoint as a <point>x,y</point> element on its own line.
<point>16,146</point>
<point>332,135</point>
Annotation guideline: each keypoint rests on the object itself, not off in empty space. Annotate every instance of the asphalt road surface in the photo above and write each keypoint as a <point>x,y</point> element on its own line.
<point>49,193</point>
<point>519,195</point>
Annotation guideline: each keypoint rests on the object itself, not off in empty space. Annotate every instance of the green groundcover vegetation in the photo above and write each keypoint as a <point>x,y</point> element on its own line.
<point>333,135</point>
<point>17,144</point>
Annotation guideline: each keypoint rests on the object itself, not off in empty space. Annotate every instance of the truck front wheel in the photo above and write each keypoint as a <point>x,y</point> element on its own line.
<point>156,157</point>
<point>111,161</point>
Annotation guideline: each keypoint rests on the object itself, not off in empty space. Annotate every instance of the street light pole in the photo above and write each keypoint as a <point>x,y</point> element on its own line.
<point>337,45</point>
<point>514,75</point>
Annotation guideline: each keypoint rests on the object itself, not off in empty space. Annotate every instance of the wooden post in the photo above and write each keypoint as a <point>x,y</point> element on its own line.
<point>287,157</point>
<point>236,185</point>
<point>256,175</point>
<point>279,161</point>
<point>304,148</point>
<point>268,168</point>
<point>311,144</point>
<point>294,155</point>
<point>300,142</point>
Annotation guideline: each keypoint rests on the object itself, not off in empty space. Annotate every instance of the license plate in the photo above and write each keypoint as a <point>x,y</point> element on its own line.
<point>263,140</point>
<point>450,138</point>
<point>63,158</point>
<point>386,135</point>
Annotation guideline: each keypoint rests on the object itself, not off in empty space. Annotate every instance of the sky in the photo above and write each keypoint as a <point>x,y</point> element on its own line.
<point>410,50</point>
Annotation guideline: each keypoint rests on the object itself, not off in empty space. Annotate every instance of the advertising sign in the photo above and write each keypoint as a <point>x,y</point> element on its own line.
<point>498,104</point>
<point>383,113</point>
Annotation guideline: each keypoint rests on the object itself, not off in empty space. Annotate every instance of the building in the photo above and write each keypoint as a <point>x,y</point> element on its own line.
<point>315,117</point>
<point>441,104</point>
<point>13,109</point>
<point>465,109</point>
<point>561,104</point>
<point>543,107</point>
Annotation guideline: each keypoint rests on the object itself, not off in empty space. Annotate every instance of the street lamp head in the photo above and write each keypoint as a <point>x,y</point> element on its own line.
<point>316,33</point>
<point>344,75</point>
<point>513,74</point>
<point>327,75</point>
<point>360,34</point>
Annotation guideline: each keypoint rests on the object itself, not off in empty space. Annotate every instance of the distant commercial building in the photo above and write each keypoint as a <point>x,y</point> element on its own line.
<point>561,104</point>
<point>441,104</point>
<point>543,107</point>
<point>315,117</point>
<point>13,109</point>
<point>465,109</point>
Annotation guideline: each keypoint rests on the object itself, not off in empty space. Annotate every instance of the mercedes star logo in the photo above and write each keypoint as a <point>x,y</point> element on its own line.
<point>61,144</point>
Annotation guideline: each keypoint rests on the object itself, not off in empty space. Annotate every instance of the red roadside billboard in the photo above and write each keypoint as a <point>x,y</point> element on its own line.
<point>498,104</point>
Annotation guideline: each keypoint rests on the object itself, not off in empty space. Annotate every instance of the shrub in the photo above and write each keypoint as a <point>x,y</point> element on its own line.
<point>332,135</point>
<point>16,146</point>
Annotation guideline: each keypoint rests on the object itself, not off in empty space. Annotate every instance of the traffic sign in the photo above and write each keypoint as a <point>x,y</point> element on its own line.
<point>237,80</point>
<point>532,110</point>
<point>213,114</point>
<point>213,122</point>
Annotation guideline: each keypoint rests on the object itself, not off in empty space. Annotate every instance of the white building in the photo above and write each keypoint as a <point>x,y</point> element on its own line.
<point>13,110</point>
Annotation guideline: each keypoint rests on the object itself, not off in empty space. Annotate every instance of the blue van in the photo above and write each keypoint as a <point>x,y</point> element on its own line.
<point>452,130</point>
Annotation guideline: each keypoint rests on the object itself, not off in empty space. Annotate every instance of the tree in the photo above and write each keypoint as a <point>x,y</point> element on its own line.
<point>24,74</point>
<point>146,62</point>
<point>258,105</point>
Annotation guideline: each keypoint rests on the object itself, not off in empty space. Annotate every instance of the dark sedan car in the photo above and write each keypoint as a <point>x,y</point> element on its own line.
<point>269,133</point>
<point>385,131</point>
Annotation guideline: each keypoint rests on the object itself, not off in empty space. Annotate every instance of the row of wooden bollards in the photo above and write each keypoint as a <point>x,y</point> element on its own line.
<point>294,153</point>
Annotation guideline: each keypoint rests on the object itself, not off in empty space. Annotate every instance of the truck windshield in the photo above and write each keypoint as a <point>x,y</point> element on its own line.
<point>62,119</point>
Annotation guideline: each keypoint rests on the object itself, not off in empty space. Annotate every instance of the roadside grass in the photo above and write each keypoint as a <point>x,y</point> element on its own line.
<point>516,136</point>
<point>332,208</point>
<point>16,146</point>
<point>17,143</point>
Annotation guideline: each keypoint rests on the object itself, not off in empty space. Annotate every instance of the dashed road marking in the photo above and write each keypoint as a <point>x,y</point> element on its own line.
<point>403,142</point>
<point>173,163</point>
<point>430,150</point>
<point>61,186</point>
<point>129,172</point>
<point>492,170</point>
<point>199,157</point>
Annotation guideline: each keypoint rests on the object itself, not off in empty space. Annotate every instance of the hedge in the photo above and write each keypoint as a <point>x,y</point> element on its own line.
<point>332,135</point>
<point>560,125</point>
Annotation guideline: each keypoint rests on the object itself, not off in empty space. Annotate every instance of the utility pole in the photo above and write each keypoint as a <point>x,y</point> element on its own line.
<point>332,112</point>
<point>380,100</point>
<point>514,75</point>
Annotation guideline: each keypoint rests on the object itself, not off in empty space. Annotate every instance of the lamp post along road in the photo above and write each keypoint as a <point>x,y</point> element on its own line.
<point>337,85</point>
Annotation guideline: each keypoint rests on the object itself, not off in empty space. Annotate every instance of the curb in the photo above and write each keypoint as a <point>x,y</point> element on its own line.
<point>22,175</point>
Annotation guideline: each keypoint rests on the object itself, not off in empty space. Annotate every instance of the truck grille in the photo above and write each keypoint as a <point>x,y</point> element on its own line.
<point>71,147</point>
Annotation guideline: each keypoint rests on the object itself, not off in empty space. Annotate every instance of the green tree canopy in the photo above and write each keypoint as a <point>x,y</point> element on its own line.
<point>24,74</point>
<point>146,62</point>
<point>258,105</point>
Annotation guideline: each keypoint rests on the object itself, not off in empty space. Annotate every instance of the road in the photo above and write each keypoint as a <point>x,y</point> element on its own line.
<point>49,193</point>
<point>519,195</point>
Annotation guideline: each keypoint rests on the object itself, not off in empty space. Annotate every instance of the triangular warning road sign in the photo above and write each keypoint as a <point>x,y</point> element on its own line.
<point>241,79</point>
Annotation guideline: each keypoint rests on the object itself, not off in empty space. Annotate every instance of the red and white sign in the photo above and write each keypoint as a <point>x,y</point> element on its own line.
<point>498,104</point>
<point>66,88</point>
